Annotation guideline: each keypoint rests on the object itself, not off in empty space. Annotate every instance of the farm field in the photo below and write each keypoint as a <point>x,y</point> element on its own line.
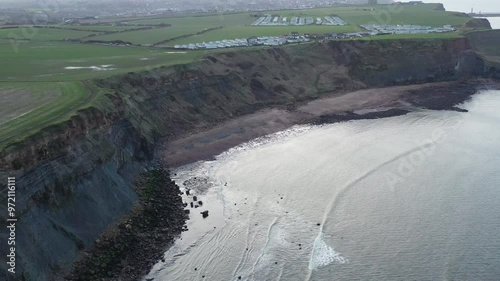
<point>151,36</point>
<point>44,78</point>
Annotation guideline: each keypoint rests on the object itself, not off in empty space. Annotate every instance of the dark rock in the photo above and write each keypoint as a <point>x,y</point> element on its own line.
<point>195,198</point>
<point>200,203</point>
<point>204,214</point>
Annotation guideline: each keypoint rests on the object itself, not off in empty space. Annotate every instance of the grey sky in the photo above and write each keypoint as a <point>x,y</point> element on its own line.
<point>451,5</point>
<point>466,5</point>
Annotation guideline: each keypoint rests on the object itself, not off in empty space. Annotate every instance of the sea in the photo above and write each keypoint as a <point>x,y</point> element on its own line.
<point>414,197</point>
<point>495,22</point>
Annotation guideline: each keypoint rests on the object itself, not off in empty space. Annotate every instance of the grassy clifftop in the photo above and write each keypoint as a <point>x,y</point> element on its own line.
<point>487,44</point>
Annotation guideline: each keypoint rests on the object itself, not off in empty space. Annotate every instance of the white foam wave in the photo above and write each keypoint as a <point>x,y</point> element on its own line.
<point>323,255</point>
<point>293,131</point>
<point>103,67</point>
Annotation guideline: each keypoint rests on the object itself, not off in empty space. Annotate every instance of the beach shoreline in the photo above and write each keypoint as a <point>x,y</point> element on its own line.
<point>363,104</point>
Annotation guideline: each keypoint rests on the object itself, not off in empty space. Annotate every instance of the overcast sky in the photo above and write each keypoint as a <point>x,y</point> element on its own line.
<point>466,5</point>
<point>451,5</point>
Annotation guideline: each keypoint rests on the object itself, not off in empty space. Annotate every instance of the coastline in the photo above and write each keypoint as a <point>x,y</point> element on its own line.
<point>78,176</point>
<point>412,98</point>
<point>363,104</point>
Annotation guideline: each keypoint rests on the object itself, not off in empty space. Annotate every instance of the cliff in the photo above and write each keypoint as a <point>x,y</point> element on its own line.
<point>75,179</point>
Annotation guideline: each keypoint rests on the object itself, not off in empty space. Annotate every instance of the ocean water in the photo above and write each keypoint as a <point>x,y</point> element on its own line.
<point>495,22</point>
<point>485,6</point>
<point>414,197</point>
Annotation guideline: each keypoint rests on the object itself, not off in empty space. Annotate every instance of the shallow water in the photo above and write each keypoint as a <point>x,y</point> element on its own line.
<point>414,197</point>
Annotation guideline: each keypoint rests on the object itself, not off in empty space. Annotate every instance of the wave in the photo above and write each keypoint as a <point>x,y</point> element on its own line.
<point>323,255</point>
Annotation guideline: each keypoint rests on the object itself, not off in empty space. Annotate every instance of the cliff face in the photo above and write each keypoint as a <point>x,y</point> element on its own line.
<point>75,179</point>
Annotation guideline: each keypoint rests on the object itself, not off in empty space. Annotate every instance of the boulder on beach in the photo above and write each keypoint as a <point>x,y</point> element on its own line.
<point>204,214</point>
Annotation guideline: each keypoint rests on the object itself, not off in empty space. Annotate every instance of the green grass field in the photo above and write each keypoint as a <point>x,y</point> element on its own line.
<point>44,79</point>
<point>103,28</point>
<point>41,34</point>
<point>151,36</point>
<point>28,107</point>
<point>36,61</point>
<point>416,36</point>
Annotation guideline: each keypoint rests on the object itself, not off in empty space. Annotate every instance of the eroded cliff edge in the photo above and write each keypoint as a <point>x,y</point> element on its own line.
<point>75,179</point>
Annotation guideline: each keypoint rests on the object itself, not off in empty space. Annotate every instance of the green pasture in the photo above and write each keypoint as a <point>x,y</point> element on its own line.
<point>150,36</point>
<point>28,107</point>
<point>41,34</point>
<point>447,35</point>
<point>36,61</point>
<point>101,28</point>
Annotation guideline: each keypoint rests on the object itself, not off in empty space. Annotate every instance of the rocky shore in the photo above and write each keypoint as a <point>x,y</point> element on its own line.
<point>128,250</point>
